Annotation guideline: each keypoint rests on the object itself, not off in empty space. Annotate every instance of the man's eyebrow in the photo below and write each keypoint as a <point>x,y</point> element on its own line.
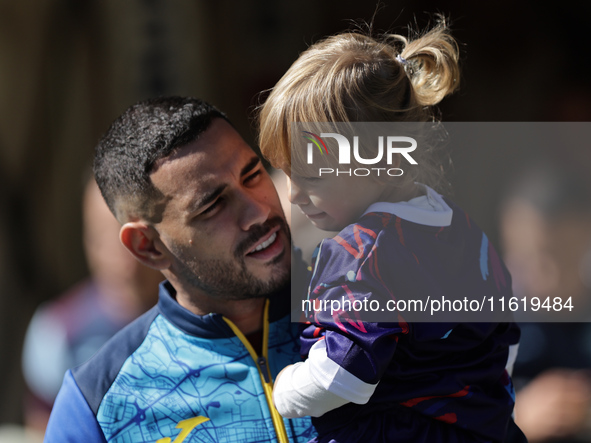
<point>253,163</point>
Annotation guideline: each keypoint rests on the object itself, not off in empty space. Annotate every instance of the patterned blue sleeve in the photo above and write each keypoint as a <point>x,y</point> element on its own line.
<point>72,420</point>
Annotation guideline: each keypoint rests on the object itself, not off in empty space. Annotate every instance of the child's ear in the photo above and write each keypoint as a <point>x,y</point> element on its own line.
<point>143,241</point>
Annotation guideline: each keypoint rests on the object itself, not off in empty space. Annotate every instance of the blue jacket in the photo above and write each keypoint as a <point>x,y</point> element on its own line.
<point>172,376</point>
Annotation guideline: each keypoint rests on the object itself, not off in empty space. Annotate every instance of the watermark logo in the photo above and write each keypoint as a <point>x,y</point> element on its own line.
<point>317,141</point>
<point>387,146</point>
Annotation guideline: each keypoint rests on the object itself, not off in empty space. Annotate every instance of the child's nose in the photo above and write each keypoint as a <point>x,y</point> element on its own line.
<point>295,194</point>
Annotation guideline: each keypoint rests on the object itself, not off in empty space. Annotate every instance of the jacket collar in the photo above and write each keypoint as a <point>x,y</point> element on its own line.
<point>429,209</point>
<point>213,325</point>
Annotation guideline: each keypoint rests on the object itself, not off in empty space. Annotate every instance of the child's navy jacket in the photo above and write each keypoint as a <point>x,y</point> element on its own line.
<point>419,381</point>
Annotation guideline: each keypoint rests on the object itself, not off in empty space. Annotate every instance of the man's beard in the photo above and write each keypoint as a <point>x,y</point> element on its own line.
<point>230,279</point>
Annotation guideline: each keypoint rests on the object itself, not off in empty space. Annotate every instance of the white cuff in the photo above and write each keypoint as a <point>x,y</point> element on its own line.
<point>335,379</point>
<point>296,394</point>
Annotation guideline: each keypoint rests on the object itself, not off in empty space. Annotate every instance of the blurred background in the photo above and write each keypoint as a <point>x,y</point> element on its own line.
<point>69,67</point>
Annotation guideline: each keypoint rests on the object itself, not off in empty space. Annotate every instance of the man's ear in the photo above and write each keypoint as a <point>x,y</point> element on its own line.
<point>144,243</point>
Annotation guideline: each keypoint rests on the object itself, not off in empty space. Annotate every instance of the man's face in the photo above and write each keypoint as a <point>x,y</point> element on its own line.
<point>222,224</point>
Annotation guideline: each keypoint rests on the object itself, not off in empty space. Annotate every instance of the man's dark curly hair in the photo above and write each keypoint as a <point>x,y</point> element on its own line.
<point>147,132</point>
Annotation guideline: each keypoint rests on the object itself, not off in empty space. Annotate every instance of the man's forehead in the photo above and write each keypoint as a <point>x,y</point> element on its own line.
<point>203,164</point>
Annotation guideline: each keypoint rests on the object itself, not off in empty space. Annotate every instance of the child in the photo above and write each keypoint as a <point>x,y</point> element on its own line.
<point>395,381</point>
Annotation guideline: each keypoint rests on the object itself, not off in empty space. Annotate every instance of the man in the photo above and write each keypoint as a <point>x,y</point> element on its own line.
<point>195,203</point>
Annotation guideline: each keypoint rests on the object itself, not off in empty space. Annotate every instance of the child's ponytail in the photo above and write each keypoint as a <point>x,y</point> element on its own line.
<point>354,77</point>
<point>431,61</point>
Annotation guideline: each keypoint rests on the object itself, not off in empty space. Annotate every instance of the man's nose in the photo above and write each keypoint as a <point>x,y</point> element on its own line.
<point>255,210</point>
<point>295,195</point>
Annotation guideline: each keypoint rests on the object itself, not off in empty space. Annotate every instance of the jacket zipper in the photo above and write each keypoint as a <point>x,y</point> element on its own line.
<point>262,362</point>
<point>264,372</point>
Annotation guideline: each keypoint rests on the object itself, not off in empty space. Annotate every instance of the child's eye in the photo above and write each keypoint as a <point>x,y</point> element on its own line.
<point>295,177</point>
<point>310,180</point>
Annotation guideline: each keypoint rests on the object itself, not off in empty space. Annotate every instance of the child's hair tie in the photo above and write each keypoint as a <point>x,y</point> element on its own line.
<point>407,68</point>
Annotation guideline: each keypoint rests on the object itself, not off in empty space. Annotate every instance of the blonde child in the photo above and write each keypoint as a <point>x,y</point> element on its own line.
<point>395,381</point>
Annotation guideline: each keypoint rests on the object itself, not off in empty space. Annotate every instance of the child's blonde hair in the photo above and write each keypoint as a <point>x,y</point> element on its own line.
<point>352,77</point>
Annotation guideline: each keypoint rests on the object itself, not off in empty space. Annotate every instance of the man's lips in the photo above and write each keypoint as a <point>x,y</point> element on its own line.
<point>268,246</point>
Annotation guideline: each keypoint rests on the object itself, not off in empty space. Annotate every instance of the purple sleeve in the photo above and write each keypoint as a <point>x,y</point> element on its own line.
<point>347,268</point>
<point>364,349</point>
<point>72,420</point>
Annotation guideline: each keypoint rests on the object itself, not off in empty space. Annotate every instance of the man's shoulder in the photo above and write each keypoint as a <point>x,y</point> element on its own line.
<point>95,376</point>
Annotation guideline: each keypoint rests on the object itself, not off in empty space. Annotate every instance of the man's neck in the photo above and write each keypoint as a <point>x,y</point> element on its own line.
<point>247,314</point>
